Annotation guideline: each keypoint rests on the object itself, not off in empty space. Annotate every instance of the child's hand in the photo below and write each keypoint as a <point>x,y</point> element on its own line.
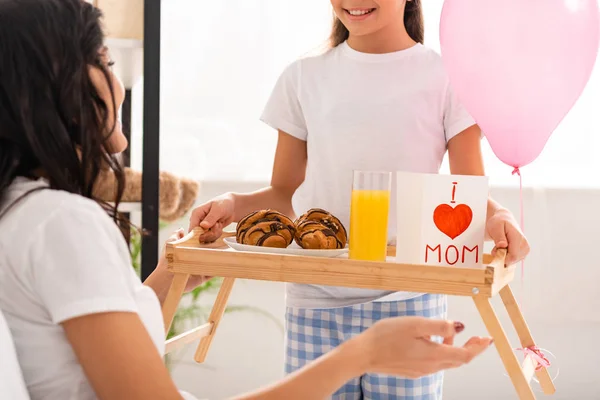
<point>213,217</point>
<point>403,346</point>
<point>505,232</point>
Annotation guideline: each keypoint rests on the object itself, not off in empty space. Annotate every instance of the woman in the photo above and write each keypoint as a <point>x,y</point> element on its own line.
<point>74,306</point>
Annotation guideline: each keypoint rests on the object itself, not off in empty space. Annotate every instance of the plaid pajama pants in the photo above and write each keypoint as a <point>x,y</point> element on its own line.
<point>314,332</point>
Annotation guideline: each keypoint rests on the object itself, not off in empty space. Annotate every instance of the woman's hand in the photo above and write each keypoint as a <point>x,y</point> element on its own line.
<point>160,279</point>
<point>403,346</point>
<point>396,346</point>
<point>195,280</point>
<point>213,217</point>
<point>504,230</point>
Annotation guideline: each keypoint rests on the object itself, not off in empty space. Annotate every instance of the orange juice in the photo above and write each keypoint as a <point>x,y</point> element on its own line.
<point>368,224</point>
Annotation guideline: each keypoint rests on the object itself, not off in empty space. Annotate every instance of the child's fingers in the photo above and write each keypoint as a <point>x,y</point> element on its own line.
<point>498,235</point>
<point>213,216</point>
<point>213,234</point>
<point>198,215</point>
<point>518,247</point>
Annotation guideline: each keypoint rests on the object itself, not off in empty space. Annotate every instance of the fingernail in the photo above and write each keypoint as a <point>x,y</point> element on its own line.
<point>491,342</point>
<point>459,327</point>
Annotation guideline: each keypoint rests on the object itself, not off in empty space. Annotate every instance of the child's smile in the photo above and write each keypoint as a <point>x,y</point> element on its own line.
<point>359,14</point>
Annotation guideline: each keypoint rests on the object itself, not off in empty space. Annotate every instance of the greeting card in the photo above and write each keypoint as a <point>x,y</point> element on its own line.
<point>441,219</point>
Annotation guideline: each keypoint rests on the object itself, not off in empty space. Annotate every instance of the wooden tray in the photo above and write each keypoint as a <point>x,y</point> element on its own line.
<point>188,257</point>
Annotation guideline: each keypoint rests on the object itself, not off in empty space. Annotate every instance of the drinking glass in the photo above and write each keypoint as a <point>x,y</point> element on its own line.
<point>369,211</point>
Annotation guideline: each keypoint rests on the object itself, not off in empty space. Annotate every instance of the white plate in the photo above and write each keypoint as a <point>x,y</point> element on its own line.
<point>293,249</point>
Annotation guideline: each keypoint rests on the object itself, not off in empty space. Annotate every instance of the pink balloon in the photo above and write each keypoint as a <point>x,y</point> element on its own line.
<point>519,66</point>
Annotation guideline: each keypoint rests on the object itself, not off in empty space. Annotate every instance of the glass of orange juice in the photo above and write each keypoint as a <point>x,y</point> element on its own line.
<point>369,210</point>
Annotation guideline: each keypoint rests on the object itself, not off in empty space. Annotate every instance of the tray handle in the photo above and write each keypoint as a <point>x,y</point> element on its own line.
<point>192,239</point>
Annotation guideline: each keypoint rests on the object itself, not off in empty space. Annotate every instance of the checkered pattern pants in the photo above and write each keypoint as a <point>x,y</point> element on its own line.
<point>314,332</point>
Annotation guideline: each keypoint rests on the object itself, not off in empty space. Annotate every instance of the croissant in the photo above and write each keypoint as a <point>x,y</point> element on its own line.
<point>319,229</point>
<point>267,228</point>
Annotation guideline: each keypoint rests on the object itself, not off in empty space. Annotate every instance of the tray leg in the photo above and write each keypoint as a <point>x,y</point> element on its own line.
<point>215,317</point>
<point>511,363</point>
<point>172,300</point>
<point>516,316</point>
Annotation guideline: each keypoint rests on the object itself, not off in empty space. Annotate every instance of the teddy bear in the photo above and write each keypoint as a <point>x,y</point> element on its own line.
<point>177,195</point>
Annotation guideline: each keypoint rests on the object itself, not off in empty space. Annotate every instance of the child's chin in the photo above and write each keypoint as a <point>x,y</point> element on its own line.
<point>361,28</point>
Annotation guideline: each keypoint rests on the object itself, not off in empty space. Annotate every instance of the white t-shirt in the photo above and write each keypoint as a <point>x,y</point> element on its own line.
<point>359,111</point>
<point>61,257</point>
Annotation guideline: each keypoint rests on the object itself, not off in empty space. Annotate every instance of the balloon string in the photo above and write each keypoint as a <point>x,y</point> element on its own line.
<point>534,351</point>
<point>516,171</point>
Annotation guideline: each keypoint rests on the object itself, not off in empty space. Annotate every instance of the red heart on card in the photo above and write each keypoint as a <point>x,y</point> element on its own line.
<point>452,221</point>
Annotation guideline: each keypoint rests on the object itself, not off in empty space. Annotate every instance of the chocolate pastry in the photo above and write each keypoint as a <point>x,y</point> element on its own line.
<point>265,228</point>
<point>318,229</point>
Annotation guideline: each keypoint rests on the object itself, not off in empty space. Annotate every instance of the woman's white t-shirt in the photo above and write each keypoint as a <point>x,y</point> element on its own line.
<point>61,257</point>
<point>358,111</point>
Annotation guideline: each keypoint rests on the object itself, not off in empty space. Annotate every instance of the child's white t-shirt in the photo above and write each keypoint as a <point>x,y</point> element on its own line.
<point>61,257</point>
<point>359,111</point>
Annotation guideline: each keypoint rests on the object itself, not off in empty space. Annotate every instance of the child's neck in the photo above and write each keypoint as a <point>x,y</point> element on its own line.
<point>386,40</point>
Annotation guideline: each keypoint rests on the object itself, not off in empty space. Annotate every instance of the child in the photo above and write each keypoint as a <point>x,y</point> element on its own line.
<point>377,100</point>
<point>83,325</point>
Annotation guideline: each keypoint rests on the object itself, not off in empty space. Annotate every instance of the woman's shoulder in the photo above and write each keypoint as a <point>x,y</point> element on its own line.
<point>38,195</point>
<point>37,208</point>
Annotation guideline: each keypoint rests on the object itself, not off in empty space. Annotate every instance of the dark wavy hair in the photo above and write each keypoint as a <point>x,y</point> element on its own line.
<point>413,20</point>
<point>52,119</point>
